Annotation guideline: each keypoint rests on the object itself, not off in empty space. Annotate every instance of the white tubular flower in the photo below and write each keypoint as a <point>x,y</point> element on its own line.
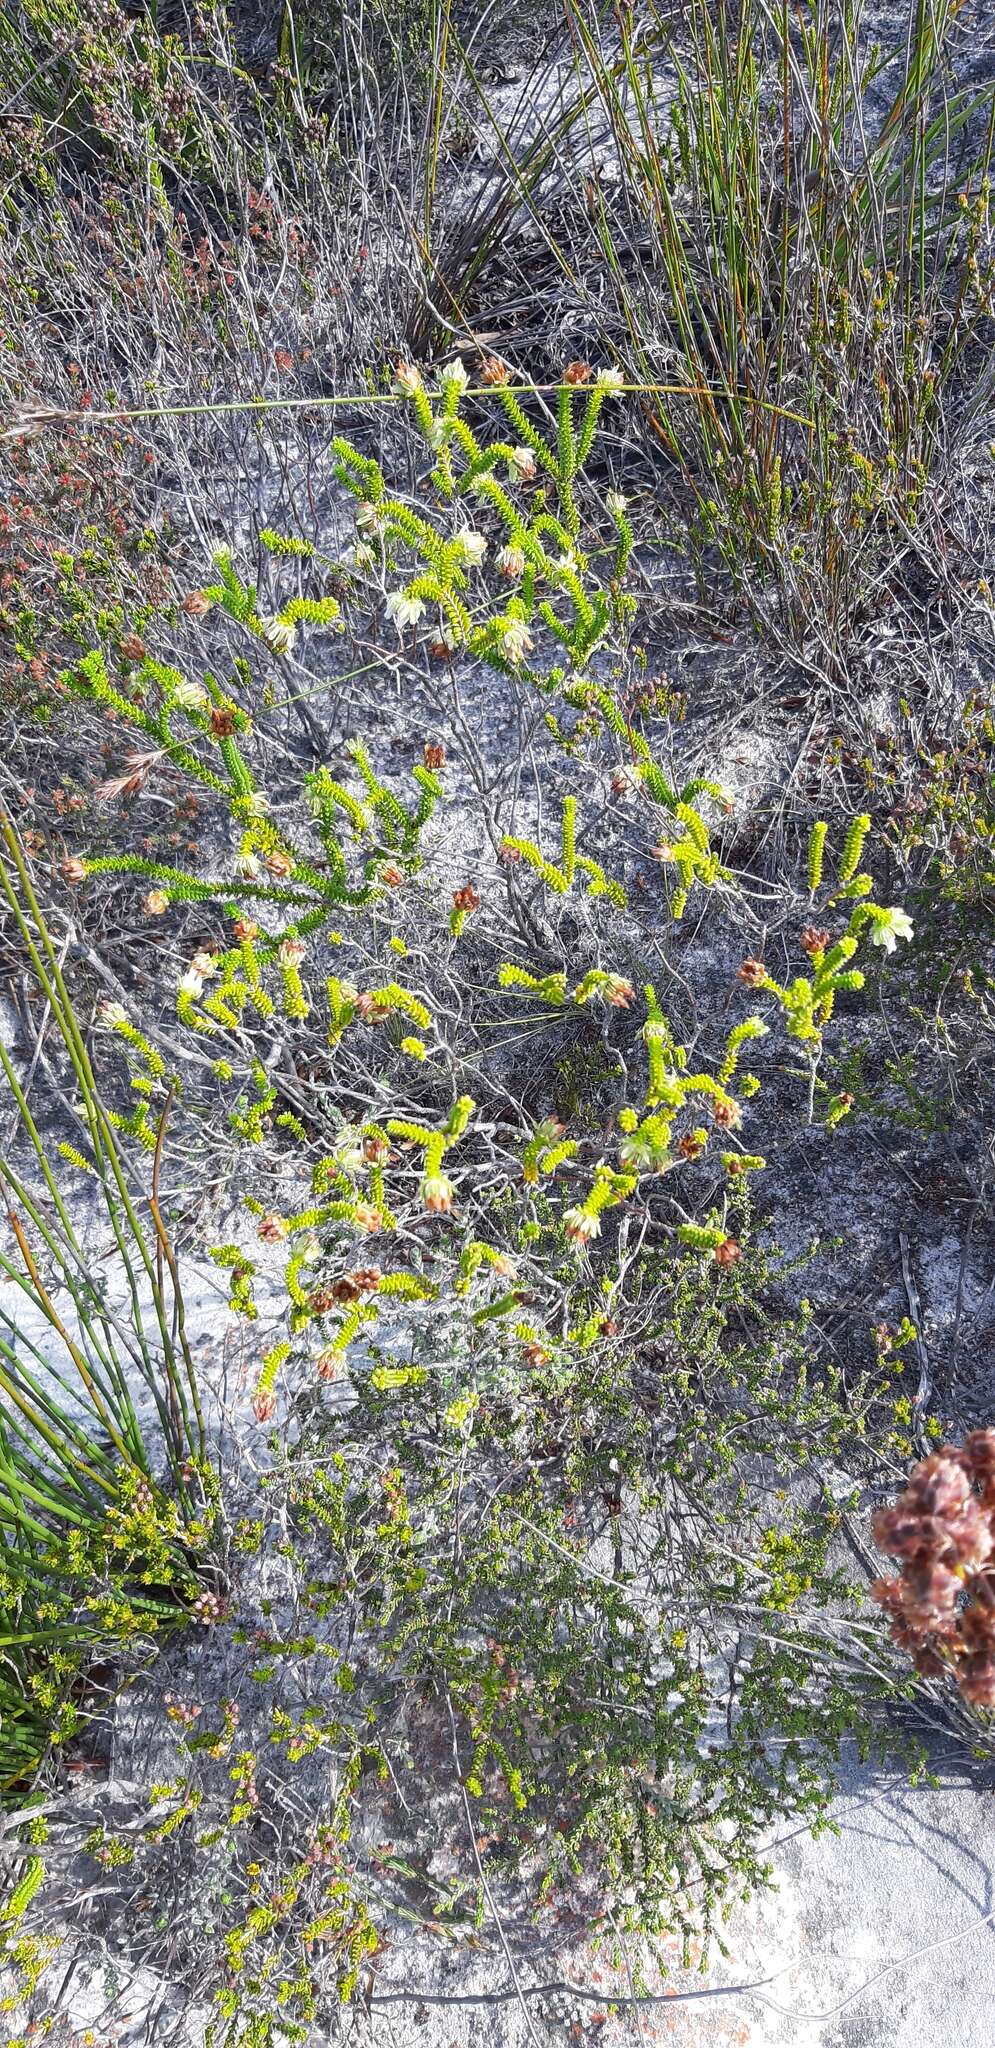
<point>367,516</point>
<point>645,1153</point>
<point>437,1193</point>
<point>473,546</point>
<point>255,805</point>
<point>616,504</point>
<point>349,1149</point>
<point>889,927</point>
<point>191,983</point>
<point>435,435</point>
<point>403,609</point>
<point>407,379</point>
<point>567,560</point>
<point>113,1015</point>
<point>279,634</point>
<point>454,374</point>
<point>516,640</point>
<point>511,561</point>
<point>609,379</point>
<point>581,1226</point>
<point>362,556</point>
<point>204,964</point>
<point>521,463</point>
<point>249,867</point>
<point>190,696</point>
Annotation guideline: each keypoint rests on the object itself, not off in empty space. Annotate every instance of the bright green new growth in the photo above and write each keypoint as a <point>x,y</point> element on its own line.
<point>560,879</point>
<point>816,849</point>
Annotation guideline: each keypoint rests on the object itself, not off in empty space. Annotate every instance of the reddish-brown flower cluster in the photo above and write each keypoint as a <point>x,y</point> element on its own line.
<point>942,1604</point>
<point>814,940</point>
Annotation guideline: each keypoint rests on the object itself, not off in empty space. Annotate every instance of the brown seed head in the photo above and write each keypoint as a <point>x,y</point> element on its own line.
<point>434,755</point>
<point>466,898</point>
<point>577,373</point>
<point>814,939</point>
<point>728,1252</point>
<point>752,972</point>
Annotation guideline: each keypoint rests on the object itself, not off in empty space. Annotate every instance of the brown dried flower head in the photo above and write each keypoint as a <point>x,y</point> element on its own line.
<point>577,373</point>
<point>466,898</point>
<point>727,1253</point>
<point>942,1529</point>
<point>535,1354</point>
<point>814,939</point>
<point>752,972</point>
<point>434,755</point>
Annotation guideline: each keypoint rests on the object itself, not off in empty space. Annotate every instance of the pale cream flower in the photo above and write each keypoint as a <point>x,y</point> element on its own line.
<point>516,640</point>
<point>473,546</point>
<point>404,609</point>
<point>581,1226</point>
<point>279,634</point>
<point>890,926</point>
<point>190,696</point>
